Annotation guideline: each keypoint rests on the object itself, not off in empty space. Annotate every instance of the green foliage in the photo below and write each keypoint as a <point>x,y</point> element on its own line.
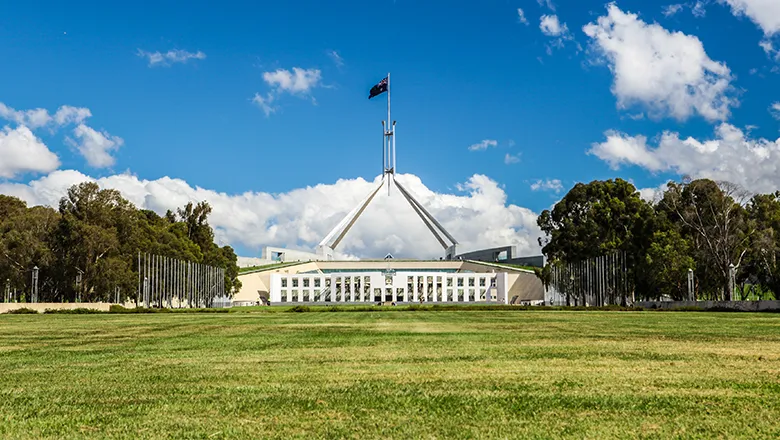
<point>95,237</point>
<point>300,309</point>
<point>117,309</point>
<point>79,311</point>
<point>593,219</point>
<point>22,311</point>
<point>703,225</point>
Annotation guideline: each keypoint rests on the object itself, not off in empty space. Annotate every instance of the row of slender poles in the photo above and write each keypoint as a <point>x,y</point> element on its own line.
<point>166,282</point>
<point>597,281</point>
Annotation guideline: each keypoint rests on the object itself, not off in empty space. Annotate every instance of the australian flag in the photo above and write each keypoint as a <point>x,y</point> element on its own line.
<point>378,89</point>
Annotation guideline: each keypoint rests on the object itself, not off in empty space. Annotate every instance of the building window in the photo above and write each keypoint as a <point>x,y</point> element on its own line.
<point>284,282</point>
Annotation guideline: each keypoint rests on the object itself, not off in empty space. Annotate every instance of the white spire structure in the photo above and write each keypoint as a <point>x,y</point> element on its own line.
<point>336,235</point>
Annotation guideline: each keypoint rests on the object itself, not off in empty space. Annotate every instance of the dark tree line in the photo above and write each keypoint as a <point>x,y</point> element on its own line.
<point>715,229</point>
<point>89,246</point>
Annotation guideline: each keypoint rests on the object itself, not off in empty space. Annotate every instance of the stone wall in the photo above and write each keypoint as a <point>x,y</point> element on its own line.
<point>41,307</point>
<point>739,306</point>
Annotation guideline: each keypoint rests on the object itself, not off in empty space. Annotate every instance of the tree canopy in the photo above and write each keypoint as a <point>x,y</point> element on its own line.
<point>715,229</point>
<point>95,238</point>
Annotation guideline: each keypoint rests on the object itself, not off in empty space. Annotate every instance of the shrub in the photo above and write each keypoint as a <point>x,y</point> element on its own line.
<point>300,309</point>
<point>80,311</point>
<point>22,311</point>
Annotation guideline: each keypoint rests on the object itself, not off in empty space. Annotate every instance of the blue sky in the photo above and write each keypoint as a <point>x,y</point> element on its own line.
<point>462,73</point>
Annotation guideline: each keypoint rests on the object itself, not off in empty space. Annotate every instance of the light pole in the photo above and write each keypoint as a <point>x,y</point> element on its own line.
<point>78,284</point>
<point>35,284</point>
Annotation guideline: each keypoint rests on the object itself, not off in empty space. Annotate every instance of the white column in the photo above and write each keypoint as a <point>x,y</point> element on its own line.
<point>276,288</point>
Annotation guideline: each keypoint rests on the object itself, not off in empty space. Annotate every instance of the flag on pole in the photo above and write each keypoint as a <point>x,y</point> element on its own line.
<point>378,89</point>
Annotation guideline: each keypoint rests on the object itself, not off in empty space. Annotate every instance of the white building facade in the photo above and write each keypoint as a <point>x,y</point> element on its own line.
<point>389,286</point>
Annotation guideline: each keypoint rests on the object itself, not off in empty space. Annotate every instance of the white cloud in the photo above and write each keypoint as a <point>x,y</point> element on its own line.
<point>554,185</point>
<point>297,81</point>
<point>34,118</point>
<point>95,146</point>
<point>71,115</point>
<point>732,155</point>
<point>510,159</point>
<point>483,145</point>
<point>672,9</point>
<point>667,72</point>
<point>764,13</point>
<point>336,58</point>
<point>546,3</point>
<point>653,195</point>
<point>521,16</point>
<point>170,57</point>
<point>551,26</point>
<point>698,10</point>
<point>769,48</point>
<point>775,110</point>
<point>265,103</point>
<point>478,216</point>
<point>40,117</point>
<point>21,152</point>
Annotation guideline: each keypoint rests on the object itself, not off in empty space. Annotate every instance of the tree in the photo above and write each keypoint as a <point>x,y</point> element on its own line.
<point>711,215</point>
<point>666,265</point>
<point>89,248</point>
<point>24,243</point>
<point>593,219</point>
<point>761,262</point>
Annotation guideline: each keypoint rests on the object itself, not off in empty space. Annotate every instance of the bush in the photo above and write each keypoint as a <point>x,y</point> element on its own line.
<point>22,311</point>
<point>80,311</point>
<point>301,309</point>
<point>120,309</point>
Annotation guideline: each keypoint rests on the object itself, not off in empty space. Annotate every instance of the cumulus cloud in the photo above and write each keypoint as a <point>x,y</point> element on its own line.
<point>775,110</point>
<point>698,10</point>
<point>170,57</point>
<point>764,13</point>
<point>299,82</point>
<point>265,103</point>
<point>553,185</point>
<point>40,117</point>
<point>770,49</point>
<point>22,152</point>
<point>95,146</point>
<point>731,155</point>
<point>483,145</point>
<point>510,159</point>
<point>521,17</point>
<point>653,195</point>
<point>477,215</point>
<point>669,73</point>
<point>672,9</point>
<point>551,26</point>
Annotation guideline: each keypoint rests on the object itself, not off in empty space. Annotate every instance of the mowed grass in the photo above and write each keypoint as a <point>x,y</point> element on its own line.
<point>453,374</point>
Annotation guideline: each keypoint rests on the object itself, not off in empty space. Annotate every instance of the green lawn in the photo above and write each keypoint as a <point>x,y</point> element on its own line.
<point>451,374</point>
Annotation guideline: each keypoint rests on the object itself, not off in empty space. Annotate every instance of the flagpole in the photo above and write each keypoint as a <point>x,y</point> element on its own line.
<point>387,137</point>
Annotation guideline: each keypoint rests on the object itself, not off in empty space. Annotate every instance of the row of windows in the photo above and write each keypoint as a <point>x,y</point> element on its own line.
<point>356,281</point>
<point>460,295</point>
